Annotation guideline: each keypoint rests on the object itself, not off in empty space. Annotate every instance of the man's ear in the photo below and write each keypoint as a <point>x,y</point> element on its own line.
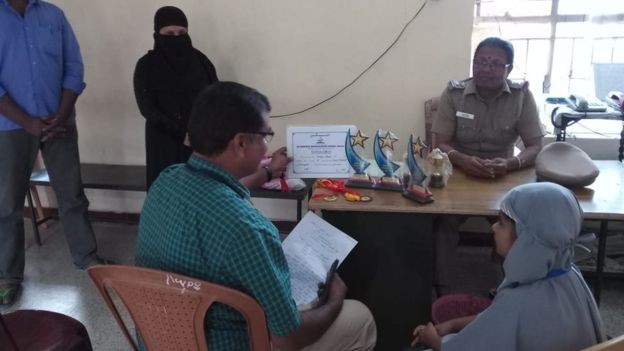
<point>239,144</point>
<point>509,70</point>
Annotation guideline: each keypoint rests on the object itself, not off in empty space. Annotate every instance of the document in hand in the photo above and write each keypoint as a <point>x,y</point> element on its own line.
<point>310,250</point>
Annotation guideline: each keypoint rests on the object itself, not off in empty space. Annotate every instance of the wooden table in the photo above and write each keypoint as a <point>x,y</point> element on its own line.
<point>394,256</point>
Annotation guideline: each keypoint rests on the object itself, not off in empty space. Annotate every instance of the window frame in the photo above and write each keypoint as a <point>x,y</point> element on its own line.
<point>553,20</point>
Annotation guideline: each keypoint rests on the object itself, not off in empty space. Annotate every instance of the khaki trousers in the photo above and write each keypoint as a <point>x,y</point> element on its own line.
<point>353,330</point>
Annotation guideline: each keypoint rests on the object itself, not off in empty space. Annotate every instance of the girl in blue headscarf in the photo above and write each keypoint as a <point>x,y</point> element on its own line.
<point>543,303</point>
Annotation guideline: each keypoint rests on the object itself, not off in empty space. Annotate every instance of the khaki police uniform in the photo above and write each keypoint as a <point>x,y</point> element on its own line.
<point>482,128</point>
<point>487,128</point>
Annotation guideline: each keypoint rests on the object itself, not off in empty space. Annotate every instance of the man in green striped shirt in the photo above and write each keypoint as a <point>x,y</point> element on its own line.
<point>198,220</point>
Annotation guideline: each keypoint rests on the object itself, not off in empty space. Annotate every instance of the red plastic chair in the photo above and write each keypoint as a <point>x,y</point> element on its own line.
<point>30,330</point>
<point>457,305</point>
<point>169,309</point>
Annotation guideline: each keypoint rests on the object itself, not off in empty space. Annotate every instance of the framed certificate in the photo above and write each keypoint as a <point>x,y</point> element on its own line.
<point>318,151</point>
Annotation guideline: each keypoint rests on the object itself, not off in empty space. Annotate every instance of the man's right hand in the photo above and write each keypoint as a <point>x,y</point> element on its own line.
<point>316,321</point>
<point>337,290</point>
<point>279,162</point>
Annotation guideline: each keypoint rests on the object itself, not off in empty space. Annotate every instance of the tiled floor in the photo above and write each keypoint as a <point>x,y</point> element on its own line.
<point>52,283</point>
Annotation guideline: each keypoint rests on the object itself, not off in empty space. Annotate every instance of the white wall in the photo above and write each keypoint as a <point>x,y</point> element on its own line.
<point>297,52</point>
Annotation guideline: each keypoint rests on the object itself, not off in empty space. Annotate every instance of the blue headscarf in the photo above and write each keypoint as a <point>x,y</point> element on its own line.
<point>548,222</point>
<point>543,303</point>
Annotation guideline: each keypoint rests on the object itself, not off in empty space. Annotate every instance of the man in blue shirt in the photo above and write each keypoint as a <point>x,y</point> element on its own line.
<point>198,220</point>
<point>41,76</point>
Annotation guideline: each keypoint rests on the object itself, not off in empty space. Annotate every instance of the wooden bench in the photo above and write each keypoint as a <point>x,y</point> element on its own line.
<point>132,178</point>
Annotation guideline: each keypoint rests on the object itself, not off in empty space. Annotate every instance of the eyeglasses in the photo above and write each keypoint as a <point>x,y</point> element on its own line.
<point>267,136</point>
<point>493,65</point>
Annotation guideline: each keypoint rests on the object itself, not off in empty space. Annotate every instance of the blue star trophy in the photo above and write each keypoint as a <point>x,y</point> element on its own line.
<point>383,149</point>
<point>360,178</point>
<point>414,185</point>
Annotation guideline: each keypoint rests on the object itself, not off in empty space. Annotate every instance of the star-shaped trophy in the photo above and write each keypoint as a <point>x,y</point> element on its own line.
<point>383,149</point>
<point>388,140</point>
<point>358,139</point>
<point>359,179</point>
<point>415,188</point>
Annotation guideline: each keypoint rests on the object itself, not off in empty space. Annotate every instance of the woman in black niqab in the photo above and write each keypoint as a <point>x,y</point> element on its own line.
<point>166,81</point>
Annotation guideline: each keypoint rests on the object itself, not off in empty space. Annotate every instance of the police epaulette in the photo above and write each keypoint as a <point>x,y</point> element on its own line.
<point>457,84</point>
<point>519,84</point>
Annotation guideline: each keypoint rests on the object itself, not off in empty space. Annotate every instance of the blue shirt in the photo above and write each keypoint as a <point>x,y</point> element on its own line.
<point>39,57</point>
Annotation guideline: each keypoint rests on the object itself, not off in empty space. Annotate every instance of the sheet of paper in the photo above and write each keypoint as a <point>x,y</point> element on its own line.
<point>310,250</point>
<point>318,151</point>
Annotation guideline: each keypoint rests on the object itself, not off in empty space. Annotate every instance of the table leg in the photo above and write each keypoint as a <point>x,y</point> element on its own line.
<point>602,248</point>
<point>299,204</point>
<point>561,131</point>
<point>621,148</point>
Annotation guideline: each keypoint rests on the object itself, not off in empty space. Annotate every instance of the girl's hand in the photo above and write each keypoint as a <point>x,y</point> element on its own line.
<point>428,335</point>
<point>444,328</point>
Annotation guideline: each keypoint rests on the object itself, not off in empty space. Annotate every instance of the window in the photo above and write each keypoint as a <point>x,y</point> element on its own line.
<point>557,43</point>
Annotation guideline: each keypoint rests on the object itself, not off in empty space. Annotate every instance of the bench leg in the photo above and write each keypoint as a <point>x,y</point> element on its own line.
<point>35,225</point>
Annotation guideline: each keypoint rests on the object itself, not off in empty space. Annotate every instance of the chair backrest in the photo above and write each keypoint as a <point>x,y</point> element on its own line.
<point>6,340</point>
<point>431,110</point>
<point>168,309</point>
<point>615,344</point>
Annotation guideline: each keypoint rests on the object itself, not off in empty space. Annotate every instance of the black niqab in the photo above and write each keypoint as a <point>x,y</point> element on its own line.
<point>175,62</point>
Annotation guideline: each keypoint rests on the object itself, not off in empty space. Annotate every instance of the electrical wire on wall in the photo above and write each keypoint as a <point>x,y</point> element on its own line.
<point>398,37</point>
